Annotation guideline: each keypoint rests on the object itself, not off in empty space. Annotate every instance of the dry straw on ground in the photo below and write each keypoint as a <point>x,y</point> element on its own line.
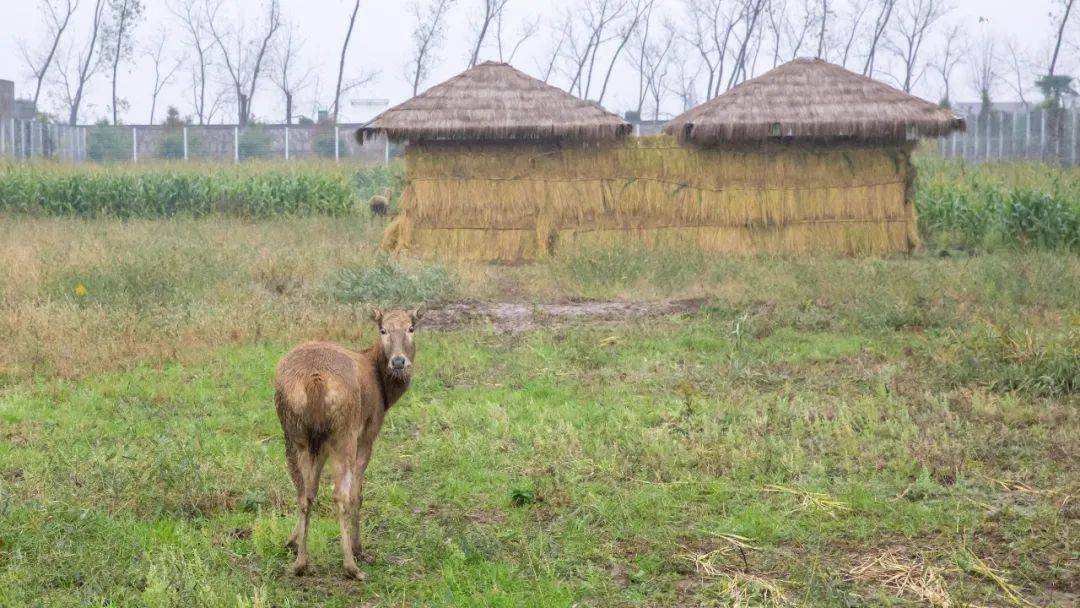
<point>912,576</point>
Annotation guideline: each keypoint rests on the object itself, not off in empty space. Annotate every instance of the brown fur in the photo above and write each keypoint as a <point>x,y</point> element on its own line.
<point>380,204</point>
<point>331,402</point>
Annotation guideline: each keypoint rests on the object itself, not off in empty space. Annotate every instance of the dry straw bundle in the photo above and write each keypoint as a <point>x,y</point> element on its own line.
<point>494,202</point>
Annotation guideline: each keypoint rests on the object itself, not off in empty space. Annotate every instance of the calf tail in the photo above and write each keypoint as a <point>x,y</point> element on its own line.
<point>315,389</point>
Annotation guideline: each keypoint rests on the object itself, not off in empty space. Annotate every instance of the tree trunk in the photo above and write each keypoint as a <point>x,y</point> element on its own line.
<point>341,64</point>
<point>116,59</point>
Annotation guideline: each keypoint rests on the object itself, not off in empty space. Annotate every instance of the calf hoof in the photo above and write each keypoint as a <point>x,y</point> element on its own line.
<point>299,567</point>
<point>354,573</point>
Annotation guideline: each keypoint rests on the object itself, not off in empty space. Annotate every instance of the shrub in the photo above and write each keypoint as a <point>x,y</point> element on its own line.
<point>324,145</point>
<point>1004,359</point>
<point>254,142</point>
<point>108,143</point>
<point>389,283</point>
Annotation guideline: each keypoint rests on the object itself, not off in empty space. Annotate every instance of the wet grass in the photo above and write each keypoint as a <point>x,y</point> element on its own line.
<point>825,432</point>
<point>599,466</point>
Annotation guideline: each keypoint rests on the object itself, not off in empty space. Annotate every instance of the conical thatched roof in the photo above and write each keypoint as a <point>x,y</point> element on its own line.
<point>812,99</point>
<point>493,101</point>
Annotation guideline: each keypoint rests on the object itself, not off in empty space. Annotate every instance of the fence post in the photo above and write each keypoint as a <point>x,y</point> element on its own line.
<point>11,133</point>
<point>337,144</point>
<point>236,144</point>
<point>1001,135</point>
<point>134,145</point>
<point>185,145</point>
<point>1042,134</point>
<point>1027,135</point>
<point>1059,134</point>
<point>1076,115</point>
<point>3,136</point>
<point>286,142</point>
<point>386,151</point>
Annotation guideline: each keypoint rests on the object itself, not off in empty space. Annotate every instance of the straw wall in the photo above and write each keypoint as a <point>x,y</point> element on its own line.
<point>513,203</point>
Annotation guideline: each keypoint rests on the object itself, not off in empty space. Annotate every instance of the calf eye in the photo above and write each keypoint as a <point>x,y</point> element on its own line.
<point>382,331</point>
<point>412,329</point>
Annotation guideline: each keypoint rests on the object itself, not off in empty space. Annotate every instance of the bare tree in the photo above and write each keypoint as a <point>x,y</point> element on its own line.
<point>651,60</point>
<point>751,20</point>
<point>243,58</point>
<point>687,87</point>
<point>1020,69</point>
<point>641,9</point>
<point>73,79</point>
<point>563,31</point>
<point>428,35</point>
<point>335,107</point>
<point>859,8</point>
<point>283,68</point>
<point>163,70</point>
<point>193,21</point>
<point>794,31</point>
<point>952,52</point>
<point>710,31</point>
<point>658,65</point>
<point>492,10</point>
<point>913,21</point>
<point>984,72</point>
<point>527,29</point>
<point>116,41</point>
<point>57,16</point>
<point>878,34</point>
<point>822,48</point>
<point>597,17</point>
<point>1066,7</point>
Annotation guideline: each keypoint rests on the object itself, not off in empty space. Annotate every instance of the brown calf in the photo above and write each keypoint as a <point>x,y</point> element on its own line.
<point>380,204</point>
<point>331,402</point>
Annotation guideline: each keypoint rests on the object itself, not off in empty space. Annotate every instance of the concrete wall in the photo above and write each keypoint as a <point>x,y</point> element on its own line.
<point>7,99</point>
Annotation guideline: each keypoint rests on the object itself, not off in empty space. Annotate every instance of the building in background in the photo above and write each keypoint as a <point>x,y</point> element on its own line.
<point>807,158</point>
<point>501,167</point>
<point>7,99</point>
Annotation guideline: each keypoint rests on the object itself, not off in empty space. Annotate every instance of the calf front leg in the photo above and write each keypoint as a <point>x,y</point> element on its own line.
<point>363,456</point>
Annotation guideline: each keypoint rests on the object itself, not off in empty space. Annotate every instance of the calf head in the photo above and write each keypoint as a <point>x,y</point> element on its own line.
<point>397,332</point>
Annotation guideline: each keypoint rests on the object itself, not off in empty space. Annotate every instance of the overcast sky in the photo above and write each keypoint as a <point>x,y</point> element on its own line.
<point>382,44</point>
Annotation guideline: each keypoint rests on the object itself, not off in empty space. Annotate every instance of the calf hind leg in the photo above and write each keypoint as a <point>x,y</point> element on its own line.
<point>310,467</point>
<point>346,490</point>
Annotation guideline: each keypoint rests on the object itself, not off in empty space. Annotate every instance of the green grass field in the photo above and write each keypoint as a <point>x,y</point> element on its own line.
<point>825,432</point>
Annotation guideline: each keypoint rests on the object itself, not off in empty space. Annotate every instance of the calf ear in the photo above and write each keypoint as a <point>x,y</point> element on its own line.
<point>417,313</point>
<point>376,316</point>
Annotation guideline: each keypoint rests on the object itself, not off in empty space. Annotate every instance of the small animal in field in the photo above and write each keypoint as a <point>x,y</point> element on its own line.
<point>380,204</point>
<point>331,402</point>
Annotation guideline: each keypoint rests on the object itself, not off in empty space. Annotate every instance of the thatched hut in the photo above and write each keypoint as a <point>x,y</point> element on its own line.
<point>807,157</point>
<point>494,164</point>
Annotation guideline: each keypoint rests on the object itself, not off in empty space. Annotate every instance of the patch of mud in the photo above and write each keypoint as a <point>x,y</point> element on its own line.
<point>512,317</point>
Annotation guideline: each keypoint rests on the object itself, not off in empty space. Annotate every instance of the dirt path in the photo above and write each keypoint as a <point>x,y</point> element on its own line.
<point>510,317</point>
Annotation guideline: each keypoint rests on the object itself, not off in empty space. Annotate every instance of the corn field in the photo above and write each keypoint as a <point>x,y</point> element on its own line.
<point>992,205</point>
<point>169,189</point>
